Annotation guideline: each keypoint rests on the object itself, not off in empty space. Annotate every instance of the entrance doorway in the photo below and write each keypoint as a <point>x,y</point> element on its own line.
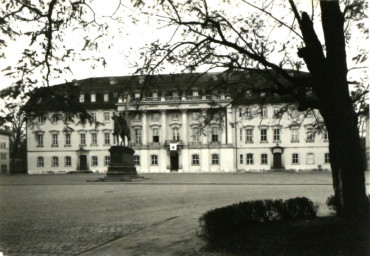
<point>277,161</point>
<point>83,162</point>
<point>174,158</point>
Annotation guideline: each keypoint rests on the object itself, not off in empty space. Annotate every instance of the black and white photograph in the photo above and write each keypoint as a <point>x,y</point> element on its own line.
<point>184,128</point>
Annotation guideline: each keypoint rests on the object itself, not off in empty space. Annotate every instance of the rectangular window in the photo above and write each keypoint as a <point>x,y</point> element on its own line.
<point>138,136</point>
<point>93,116</point>
<point>195,135</point>
<point>155,135</point>
<point>325,136</point>
<point>106,116</point>
<point>277,113</point>
<point>3,156</point>
<point>249,159</point>
<point>54,140</point>
<point>107,160</point>
<point>276,135</point>
<point>175,134</point>
<point>264,159</point>
<point>155,117</point>
<point>54,119</point>
<point>54,161</point>
<point>215,159</point>
<point>195,159</point>
<point>106,97</point>
<point>295,135</point>
<point>40,119</point>
<point>249,136</point>
<point>310,135</point>
<point>241,159</point>
<point>93,97</point>
<point>136,160</point>
<point>248,113</point>
<point>263,135</point>
<point>94,138</point>
<point>82,139</point>
<point>214,134</point>
<point>327,158</point>
<point>264,112</point>
<point>295,158</point>
<point>154,159</point>
<point>310,158</point>
<point>68,139</point>
<point>106,138</point>
<point>241,134</point>
<point>68,161</point>
<point>40,140</point>
<point>82,97</point>
<point>94,161</point>
<point>40,161</point>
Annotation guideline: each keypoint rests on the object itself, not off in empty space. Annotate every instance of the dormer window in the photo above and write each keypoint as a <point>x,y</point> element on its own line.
<point>82,97</point>
<point>155,94</point>
<point>106,97</point>
<point>196,93</point>
<point>93,97</point>
<point>175,93</point>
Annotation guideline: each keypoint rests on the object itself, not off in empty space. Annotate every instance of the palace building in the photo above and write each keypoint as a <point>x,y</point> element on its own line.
<point>179,123</point>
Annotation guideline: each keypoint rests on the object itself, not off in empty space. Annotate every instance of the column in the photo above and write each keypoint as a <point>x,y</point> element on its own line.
<point>163,126</point>
<point>224,129</point>
<point>144,128</point>
<point>184,135</point>
<point>230,118</point>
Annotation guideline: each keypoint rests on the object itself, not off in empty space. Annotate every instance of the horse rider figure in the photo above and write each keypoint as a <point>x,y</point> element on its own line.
<point>121,129</point>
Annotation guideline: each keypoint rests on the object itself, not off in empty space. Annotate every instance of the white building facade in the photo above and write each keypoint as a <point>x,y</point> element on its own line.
<point>173,130</point>
<point>4,152</point>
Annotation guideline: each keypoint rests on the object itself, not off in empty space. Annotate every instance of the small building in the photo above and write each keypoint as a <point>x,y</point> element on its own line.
<point>4,151</point>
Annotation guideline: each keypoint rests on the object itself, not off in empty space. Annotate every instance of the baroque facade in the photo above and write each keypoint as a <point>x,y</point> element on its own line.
<point>179,123</point>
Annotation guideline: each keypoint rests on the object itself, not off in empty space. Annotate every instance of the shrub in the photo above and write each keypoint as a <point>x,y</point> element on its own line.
<point>229,226</point>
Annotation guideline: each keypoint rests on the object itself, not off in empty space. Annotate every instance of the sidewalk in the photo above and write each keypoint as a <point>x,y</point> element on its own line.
<point>174,236</point>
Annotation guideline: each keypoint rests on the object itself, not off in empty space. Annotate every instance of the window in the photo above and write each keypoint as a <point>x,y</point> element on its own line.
<point>240,112</point>
<point>310,158</point>
<point>3,156</point>
<point>175,134</point>
<point>264,159</point>
<point>40,119</point>
<point>249,159</point>
<point>195,93</point>
<point>94,138</point>
<point>93,97</point>
<point>175,116</point>
<point>295,158</point>
<point>106,116</point>
<point>195,159</point>
<point>138,135</point>
<point>195,134</point>
<point>3,145</point>
<point>215,159</point>
<point>277,113</point>
<point>54,119</point>
<point>155,135</point>
<point>214,134</point>
<point>54,140</point>
<point>249,136</point>
<point>264,112</point>
<point>327,158</point>
<point>263,135</point>
<point>276,135</point>
<point>295,135</point>
<point>68,139</point>
<point>154,159</point>
<point>325,135</point>
<point>40,161</point>
<point>155,117</point>
<point>93,116</point>
<point>94,161</point>
<point>40,140</point>
<point>310,135</point>
<point>82,97</point>
<point>107,160</point>
<point>68,161</point>
<point>106,97</point>
<point>106,138</point>
<point>248,113</point>
<point>82,139</point>
<point>54,161</point>
<point>136,160</point>
<point>241,134</point>
<point>241,159</point>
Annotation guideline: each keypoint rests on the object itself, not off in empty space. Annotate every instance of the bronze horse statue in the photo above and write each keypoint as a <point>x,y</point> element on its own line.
<point>121,129</point>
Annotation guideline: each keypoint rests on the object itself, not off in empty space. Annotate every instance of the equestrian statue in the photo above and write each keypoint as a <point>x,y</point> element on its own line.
<point>121,129</point>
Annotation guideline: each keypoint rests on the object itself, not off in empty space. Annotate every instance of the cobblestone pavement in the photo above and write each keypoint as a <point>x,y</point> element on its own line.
<point>65,215</point>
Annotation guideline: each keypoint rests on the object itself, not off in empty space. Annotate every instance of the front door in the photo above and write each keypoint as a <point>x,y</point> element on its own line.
<point>83,162</point>
<point>277,160</point>
<point>174,157</point>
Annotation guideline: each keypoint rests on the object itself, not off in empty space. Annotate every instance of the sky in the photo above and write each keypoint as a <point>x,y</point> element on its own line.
<point>125,49</point>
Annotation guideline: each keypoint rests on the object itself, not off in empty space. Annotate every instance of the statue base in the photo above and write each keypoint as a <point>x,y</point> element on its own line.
<point>122,166</point>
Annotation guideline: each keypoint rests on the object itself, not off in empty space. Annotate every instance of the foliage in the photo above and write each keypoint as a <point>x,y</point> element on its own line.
<point>332,202</point>
<point>229,224</point>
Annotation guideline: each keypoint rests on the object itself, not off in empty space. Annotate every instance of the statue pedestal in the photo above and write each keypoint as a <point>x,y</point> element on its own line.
<point>121,166</point>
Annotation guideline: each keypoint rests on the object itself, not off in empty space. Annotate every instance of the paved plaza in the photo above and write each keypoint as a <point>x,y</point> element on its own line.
<point>65,215</point>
